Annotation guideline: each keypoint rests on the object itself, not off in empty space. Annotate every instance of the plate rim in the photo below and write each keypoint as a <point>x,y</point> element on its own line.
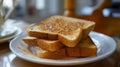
<point>18,32</point>
<point>76,62</point>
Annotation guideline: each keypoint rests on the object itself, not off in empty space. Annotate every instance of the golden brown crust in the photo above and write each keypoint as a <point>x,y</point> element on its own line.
<point>71,40</point>
<point>49,45</point>
<point>88,51</point>
<point>32,41</point>
<point>58,37</point>
<point>73,52</point>
<point>37,34</point>
<point>51,55</point>
<point>52,36</point>
<point>57,27</point>
<point>83,49</point>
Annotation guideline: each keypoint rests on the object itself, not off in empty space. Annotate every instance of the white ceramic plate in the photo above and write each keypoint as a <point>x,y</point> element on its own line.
<point>14,33</point>
<point>105,44</point>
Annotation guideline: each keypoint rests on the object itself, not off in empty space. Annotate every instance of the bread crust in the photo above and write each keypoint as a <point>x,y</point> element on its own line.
<point>49,45</point>
<point>85,48</point>
<point>59,37</point>
<point>61,28</point>
<point>71,40</point>
<point>31,41</point>
<point>59,54</point>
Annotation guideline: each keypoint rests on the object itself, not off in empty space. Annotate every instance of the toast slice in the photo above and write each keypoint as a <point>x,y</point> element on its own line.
<point>32,41</point>
<point>51,55</point>
<point>50,45</point>
<point>85,48</point>
<point>62,28</point>
<point>71,40</point>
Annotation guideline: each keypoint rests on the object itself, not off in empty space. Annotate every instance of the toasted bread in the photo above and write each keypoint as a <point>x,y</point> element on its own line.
<point>32,41</point>
<point>83,49</point>
<point>71,40</point>
<point>62,28</point>
<point>73,52</point>
<point>87,48</point>
<point>50,55</point>
<point>49,45</point>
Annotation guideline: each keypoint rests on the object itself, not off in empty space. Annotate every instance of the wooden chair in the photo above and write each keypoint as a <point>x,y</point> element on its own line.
<point>107,25</point>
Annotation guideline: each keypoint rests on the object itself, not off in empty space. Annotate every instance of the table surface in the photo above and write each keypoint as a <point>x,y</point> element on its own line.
<point>9,59</point>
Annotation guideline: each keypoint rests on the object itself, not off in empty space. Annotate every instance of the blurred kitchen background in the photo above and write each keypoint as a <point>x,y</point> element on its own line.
<point>35,10</point>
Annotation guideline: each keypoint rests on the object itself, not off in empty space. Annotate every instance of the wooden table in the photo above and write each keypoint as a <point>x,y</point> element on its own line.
<point>8,59</point>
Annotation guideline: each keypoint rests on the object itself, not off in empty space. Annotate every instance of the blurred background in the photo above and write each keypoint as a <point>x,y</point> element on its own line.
<point>106,15</point>
<point>36,10</point>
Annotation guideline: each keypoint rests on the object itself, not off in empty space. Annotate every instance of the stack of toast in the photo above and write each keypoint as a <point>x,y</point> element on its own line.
<point>59,37</point>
